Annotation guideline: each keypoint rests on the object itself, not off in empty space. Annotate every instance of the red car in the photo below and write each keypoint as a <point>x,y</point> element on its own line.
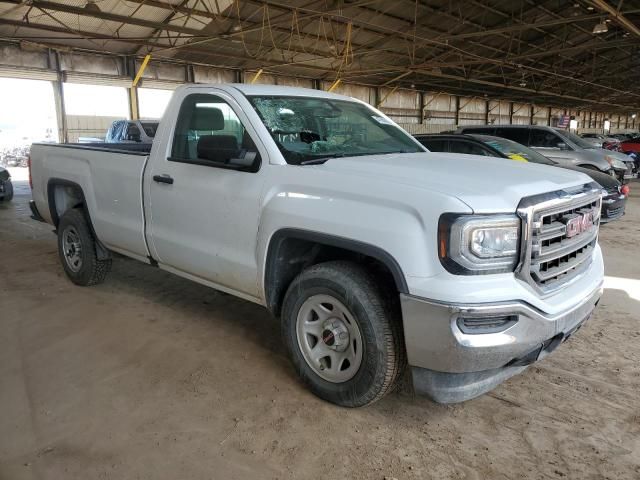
<point>630,145</point>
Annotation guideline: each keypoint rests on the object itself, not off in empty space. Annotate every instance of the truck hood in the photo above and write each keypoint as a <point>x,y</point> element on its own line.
<point>485,184</point>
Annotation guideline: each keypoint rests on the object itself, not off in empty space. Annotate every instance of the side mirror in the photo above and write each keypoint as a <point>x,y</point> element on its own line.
<point>562,146</point>
<point>244,161</point>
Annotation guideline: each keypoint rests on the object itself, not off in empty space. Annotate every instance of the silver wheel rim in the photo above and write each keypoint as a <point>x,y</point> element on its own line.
<point>72,249</point>
<point>329,338</point>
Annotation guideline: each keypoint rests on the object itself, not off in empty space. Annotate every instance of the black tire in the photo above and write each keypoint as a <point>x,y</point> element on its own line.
<point>383,353</point>
<point>90,270</point>
<point>8,192</point>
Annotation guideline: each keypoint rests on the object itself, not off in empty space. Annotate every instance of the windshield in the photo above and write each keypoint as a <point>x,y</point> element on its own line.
<point>575,139</point>
<point>150,128</point>
<point>309,130</point>
<point>514,150</point>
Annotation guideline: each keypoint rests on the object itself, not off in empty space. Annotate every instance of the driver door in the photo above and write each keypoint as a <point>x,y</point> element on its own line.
<point>203,209</point>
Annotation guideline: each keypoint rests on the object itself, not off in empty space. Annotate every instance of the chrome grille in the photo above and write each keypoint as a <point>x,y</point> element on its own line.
<point>562,235</point>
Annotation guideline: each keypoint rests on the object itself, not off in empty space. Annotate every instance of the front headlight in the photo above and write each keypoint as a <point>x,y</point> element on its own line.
<point>478,244</point>
<point>615,163</point>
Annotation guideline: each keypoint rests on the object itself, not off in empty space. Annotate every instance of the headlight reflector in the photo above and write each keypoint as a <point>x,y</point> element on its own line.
<point>479,244</point>
<point>494,242</point>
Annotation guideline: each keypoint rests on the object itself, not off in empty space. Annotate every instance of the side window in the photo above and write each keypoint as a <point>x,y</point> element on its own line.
<point>133,133</point>
<point>544,139</point>
<point>208,132</point>
<point>469,148</point>
<point>434,145</point>
<point>519,135</point>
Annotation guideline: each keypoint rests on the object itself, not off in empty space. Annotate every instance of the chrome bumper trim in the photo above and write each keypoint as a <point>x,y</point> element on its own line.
<point>435,342</point>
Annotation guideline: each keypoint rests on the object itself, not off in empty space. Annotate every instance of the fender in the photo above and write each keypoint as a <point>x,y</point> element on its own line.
<point>273,275</point>
<point>101,251</point>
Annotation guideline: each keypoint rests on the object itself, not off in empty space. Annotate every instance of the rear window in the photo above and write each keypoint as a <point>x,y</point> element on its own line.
<point>150,128</point>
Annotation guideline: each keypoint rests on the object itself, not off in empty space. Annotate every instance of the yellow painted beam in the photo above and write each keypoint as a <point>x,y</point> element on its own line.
<point>256,76</point>
<point>334,85</point>
<point>141,70</point>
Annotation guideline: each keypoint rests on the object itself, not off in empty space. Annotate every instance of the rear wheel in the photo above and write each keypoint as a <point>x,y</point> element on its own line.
<point>343,336</point>
<point>77,250</point>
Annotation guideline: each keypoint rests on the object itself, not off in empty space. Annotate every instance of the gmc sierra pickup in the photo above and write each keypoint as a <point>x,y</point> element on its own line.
<point>372,251</point>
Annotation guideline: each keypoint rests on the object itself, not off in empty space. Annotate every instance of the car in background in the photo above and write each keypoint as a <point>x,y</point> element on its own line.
<point>10,161</point>
<point>623,136</point>
<point>561,146</point>
<point>615,194</point>
<point>6,187</point>
<point>630,145</point>
<point>132,131</point>
<point>599,140</point>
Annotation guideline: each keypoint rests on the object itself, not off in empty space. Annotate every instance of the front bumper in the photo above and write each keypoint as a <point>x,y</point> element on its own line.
<point>451,366</point>
<point>613,206</point>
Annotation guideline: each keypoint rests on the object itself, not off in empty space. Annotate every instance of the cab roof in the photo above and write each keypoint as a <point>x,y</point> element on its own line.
<point>277,90</point>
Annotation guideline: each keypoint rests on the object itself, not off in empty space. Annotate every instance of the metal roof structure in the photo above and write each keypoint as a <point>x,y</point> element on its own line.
<point>541,51</point>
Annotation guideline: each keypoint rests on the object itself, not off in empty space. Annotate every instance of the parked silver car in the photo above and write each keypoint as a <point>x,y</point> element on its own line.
<point>562,146</point>
<point>598,140</point>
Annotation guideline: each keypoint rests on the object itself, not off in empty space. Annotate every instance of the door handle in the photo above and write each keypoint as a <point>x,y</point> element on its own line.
<point>163,179</point>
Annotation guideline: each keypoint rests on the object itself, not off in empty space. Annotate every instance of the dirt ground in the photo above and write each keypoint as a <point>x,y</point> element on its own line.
<point>149,376</point>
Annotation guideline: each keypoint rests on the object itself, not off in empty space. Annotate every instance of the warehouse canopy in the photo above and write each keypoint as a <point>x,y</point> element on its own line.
<point>578,53</point>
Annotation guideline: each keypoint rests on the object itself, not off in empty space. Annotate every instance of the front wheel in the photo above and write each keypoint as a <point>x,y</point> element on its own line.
<point>343,336</point>
<point>77,250</point>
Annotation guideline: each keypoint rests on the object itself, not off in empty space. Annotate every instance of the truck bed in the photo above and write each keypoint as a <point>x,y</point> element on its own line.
<point>110,178</point>
<point>141,148</point>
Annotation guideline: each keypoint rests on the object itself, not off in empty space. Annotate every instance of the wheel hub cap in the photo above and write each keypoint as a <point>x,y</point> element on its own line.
<point>72,249</point>
<point>335,335</point>
<point>329,338</point>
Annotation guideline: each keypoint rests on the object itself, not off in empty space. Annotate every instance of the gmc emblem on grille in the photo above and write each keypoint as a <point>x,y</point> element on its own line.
<point>581,223</point>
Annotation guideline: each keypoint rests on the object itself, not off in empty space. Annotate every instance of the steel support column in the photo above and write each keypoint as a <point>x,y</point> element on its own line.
<point>58,98</point>
<point>531,113</point>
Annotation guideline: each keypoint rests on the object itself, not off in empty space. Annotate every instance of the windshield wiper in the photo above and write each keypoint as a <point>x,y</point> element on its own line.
<point>392,152</point>
<point>317,161</point>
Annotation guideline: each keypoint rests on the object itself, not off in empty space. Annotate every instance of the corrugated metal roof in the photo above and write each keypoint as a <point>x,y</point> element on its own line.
<point>526,50</point>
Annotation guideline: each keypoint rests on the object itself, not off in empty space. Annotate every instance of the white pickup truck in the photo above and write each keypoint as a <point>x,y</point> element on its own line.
<point>373,252</point>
